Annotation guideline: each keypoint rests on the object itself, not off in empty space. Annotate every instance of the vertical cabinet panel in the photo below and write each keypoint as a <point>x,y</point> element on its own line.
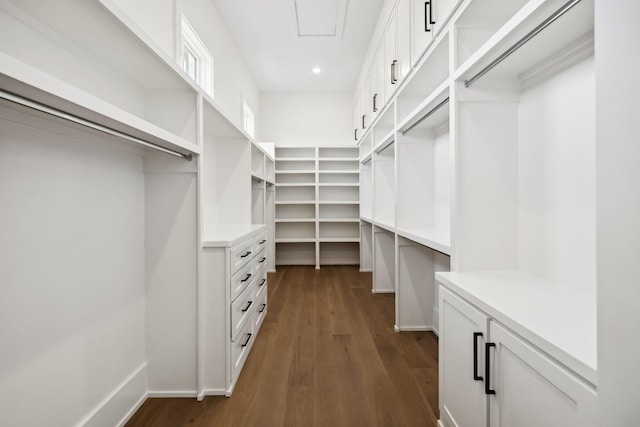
<point>423,28</point>
<point>463,402</point>
<point>390,60</point>
<point>403,39</point>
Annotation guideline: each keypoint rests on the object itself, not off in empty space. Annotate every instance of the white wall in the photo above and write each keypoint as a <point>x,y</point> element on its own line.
<point>618,210</point>
<point>72,276</point>
<point>306,119</point>
<point>232,79</point>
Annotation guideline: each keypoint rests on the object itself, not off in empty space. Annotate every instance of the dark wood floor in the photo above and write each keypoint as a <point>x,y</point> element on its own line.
<point>327,355</point>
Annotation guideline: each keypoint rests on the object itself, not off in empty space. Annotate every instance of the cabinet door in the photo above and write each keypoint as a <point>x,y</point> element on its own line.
<point>532,390</point>
<point>423,28</point>
<point>443,11</point>
<point>463,329</point>
<point>390,60</point>
<point>377,79</point>
<point>403,39</point>
<point>357,132</point>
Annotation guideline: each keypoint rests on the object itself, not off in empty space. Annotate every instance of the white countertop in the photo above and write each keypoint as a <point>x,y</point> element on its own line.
<point>559,320</point>
<point>231,234</point>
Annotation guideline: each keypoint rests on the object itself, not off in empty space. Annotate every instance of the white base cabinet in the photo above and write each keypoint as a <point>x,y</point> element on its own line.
<point>489,376</point>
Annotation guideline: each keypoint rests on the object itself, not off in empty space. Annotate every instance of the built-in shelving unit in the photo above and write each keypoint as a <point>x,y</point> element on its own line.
<point>317,205</point>
<point>263,195</point>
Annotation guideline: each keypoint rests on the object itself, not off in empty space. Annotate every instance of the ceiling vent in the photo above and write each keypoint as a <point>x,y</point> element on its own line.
<point>319,18</point>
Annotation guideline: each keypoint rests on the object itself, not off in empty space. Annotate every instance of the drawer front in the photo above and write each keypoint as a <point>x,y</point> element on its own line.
<point>261,261</point>
<point>241,254</point>
<point>261,241</point>
<point>240,349</point>
<point>261,308</point>
<point>241,310</point>
<point>241,280</point>
<point>261,283</point>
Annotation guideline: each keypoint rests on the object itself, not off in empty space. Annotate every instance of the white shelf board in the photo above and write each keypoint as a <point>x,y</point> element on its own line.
<point>325,202</point>
<point>388,140</point>
<point>296,171</point>
<point>340,171</point>
<point>349,184</point>
<point>295,184</point>
<point>338,159</point>
<point>365,219</point>
<point>339,240</point>
<point>296,202</point>
<point>338,220</point>
<point>295,159</point>
<point>295,240</point>
<point>34,84</point>
<point>436,239</point>
<point>367,158</point>
<point>427,105</point>
<point>555,318</point>
<point>295,220</point>
<point>257,177</point>
<point>383,225</point>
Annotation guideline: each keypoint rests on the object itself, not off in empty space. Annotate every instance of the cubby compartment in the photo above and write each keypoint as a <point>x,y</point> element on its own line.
<point>479,22</point>
<point>384,261</point>
<point>270,211</point>
<point>339,253</point>
<point>430,75</point>
<point>296,178</point>
<point>417,290</point>
<point>305,193</point>
<point>425,168</point>
<point>257,162</point>
<point>366,145</point>
<point>331,177</point>
<point>295,231</point>
<point>366,246</point>
<point>80,60</point>
<point>295,166</point>
<point>526,147</point>
<point>333,231</point>
<point>366,190</point>
<point>283,153</point>
<point>383,129</point>
<point>269,169</point>
<point>384,186</point>
<point>257,202</point>
<point>295,253</point>
<point>303,212</point>
<point>338,193</point>
<point>338,165</point>
<point>338,153</point>
<point>338,211</point>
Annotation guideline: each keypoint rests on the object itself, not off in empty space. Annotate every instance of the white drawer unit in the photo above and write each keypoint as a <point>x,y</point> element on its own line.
<point>233,304</point>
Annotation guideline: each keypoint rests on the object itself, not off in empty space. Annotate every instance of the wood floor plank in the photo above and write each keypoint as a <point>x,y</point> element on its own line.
<point>326,355</point>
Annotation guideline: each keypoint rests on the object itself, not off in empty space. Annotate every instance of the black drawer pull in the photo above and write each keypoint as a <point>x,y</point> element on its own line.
<point>428,16</point>
<point>262,307</point>
<point>246,255</point>
<point>246,278</point>
<point>375,105</point>
<point>262,242</point>
<point>263,282</point>
<point>487,368</point>
<point>244,344</point>
<point>476,335</point>
<point>263,259</point>
<point>247,307</point>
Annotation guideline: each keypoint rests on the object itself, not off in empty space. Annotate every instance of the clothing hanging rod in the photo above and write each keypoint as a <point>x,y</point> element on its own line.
<point>564,9</point>
<point>426,116</point>
<point>17,99</point>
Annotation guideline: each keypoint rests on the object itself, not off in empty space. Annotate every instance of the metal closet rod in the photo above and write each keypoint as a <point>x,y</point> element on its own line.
<point>17,99</point>
<point>564,9</point>
<point>426,116</point>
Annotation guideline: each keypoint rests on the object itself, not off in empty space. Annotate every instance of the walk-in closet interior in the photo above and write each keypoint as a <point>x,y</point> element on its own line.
<point>319,212</point>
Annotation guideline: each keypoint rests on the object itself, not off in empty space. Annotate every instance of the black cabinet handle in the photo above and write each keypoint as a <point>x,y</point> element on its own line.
<point>355,134</point>
<point>375,104</point>
<point>263,282</point>
<point>428,16</point>
<point>262,242</point>
<point>246,255</point>
<point>246,278</point>
<point>262,307</point>
<point>247,307</point>
<point>244,344</point>
<point>487,369</point>
<point>393,72</point>
<point>476,335</point>
<point>363,117</point>
<point>263,259</point>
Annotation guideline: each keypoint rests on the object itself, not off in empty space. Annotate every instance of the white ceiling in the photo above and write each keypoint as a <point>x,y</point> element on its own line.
<point>282,40</point>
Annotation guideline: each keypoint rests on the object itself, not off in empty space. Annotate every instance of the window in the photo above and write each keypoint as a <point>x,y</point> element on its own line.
<point>248,120</point>
<point>196,60</point>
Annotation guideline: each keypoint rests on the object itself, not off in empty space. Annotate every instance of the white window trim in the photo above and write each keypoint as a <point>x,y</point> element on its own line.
<point>191,41</point>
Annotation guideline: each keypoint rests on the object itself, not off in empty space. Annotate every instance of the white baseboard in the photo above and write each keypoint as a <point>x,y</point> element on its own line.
<point>168,394</point>
<point>126,398</point>
<point>383,291</point>
<point>440,424</point>
<point>415,328</point>
<point>211,392</point>
<point>366,270</point>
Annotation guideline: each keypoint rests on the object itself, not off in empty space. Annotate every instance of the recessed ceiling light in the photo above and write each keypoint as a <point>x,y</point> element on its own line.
<point>316,70</point>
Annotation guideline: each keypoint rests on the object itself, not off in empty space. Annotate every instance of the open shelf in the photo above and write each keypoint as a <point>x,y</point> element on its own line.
<point>296,178</point>
<point>384,261</point>
<point>384,185</point>
<point>338,153</point>
<point>302,212</point>
<point>338,165</point>
<point>295,166</point>
<point>295,231</point>
<point>297,193</point>
<point>296,253</point>
<point>332,211</point>
<point>338,193</point>
<point>366,246</point>
<point>338,178</point>
<point>384,127</point>
<point>283,153</point>
<point>366,189</point>
<point>339,231</point>
<point>339,253</point>
<point>257,202</point>
<point>257,162</point>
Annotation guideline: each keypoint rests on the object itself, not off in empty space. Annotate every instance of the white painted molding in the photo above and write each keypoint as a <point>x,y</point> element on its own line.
<point>169,393</point>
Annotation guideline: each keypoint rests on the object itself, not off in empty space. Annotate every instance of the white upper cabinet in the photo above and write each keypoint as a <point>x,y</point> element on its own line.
<point>429,17</point>
<point>376,82</point>
<point>397,47</point>
<point>390,61</point>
